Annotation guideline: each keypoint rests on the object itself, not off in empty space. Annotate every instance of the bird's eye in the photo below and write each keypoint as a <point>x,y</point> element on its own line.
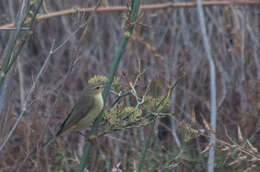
<point>97,88</point>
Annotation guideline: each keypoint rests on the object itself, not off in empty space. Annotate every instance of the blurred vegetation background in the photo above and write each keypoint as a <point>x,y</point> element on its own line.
<point>166,43</point>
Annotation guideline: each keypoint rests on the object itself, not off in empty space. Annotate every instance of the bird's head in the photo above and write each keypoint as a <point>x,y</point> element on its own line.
<point>95,87</point>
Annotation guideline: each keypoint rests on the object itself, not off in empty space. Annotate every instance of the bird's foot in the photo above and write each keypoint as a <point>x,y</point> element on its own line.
<point>92,139</point>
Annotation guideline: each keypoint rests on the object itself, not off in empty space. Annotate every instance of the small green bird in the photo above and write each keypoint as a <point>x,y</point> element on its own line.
<point>84,112</point>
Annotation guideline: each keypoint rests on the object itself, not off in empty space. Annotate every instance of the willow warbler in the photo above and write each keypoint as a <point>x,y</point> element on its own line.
<point>84,112</point>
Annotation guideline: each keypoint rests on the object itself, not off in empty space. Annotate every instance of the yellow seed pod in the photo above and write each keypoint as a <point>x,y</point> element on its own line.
<point>133,112</point>
<point>112,116</point>
<point>98,78</point>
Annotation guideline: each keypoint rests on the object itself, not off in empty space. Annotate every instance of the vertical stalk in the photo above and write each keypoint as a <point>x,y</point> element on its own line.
<point>135,4</point>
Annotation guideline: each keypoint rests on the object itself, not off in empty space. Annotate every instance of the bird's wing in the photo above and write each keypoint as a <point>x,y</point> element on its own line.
<point>79,111</point>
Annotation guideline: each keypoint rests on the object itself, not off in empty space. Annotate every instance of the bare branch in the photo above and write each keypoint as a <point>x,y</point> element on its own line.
<point>28,97</point>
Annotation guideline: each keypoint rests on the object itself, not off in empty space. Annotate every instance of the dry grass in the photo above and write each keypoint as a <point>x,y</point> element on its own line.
<point>168,43</point>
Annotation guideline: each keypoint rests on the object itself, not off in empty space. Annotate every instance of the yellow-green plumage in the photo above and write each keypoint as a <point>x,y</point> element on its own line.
<point>84,112</point>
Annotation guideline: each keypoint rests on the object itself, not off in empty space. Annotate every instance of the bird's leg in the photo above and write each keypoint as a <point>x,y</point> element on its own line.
<point>92,139</point>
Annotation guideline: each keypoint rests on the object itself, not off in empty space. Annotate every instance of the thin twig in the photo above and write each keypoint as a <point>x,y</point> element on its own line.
<point>14,28</point>
<point>24,107</point>
<point>143,7</point>
<point>213,104</point>
<point>4,76</point>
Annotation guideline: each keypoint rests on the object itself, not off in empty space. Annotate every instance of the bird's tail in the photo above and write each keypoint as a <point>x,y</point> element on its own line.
<point>47,143</point>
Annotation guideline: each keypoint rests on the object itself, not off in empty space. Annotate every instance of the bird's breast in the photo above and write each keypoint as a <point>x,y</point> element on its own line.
<point>92,114</point>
